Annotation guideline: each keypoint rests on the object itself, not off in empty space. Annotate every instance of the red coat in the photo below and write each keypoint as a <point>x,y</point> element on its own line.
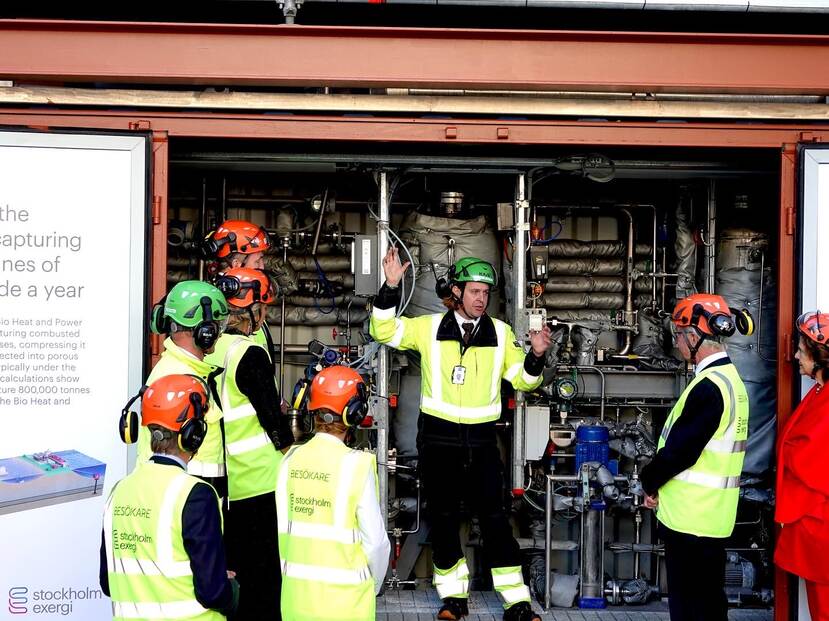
<point>803,489</point>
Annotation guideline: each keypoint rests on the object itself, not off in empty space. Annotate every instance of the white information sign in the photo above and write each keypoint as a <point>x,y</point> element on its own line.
<point>73,216</point>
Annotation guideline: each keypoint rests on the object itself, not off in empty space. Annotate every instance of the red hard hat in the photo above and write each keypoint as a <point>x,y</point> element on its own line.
<point>333,388</point>
<point>814,325</point>
<point>172,400</point>
<point>707,312</point>
<point>244,286</point>
<point>240,236</point>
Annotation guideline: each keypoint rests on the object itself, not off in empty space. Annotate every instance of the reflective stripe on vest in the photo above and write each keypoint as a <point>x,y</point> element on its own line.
<point>150,576</point>
<point>325,571</point>
<point>702,500</point>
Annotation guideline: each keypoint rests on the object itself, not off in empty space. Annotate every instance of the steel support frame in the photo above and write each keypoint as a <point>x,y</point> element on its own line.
<point>230,126</point>
<point>325,56</point>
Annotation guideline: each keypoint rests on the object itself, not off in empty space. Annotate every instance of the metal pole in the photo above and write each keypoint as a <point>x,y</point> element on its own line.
<point>548,518</point>
<point>282,326</point>
<point>381,403</point>
<point>711,242</point>
<point>519,282</point>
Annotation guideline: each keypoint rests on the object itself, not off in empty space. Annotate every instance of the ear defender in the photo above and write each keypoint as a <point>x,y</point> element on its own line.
<point>207,332</point>
<point>300,398</point>
<point>193,430</point>
<point>159,324</point>
<point>745,322</point>
<point>356,409</point>
<point>130,420</point>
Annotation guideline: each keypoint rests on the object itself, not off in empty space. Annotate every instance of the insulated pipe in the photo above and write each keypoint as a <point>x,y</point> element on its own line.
<point>381,403</point>
<point>333,263</point>
<point>321,301</point>
<point>602,284</point>
<point>629,284</point>
<point>522,230</point>
<point>593,249</point>
<point>592,583</point>
<point>301,315</point>
<point>346,279</point>
<point>585,266</point>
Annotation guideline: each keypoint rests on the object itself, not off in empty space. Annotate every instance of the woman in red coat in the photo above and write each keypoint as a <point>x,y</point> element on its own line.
<point>803,472</point>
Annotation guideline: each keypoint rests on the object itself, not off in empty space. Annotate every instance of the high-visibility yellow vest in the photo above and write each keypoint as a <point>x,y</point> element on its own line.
<point>209,461</point>
<point>261,339</point>
<point>325,573</point>
<point>149,571</point>
<point>702,500</point>
<point>250,456</point>
<point>476,396</point>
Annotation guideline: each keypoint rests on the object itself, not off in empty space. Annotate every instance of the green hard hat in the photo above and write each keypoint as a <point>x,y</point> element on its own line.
<point>184,303</point>
<point>471,269</point>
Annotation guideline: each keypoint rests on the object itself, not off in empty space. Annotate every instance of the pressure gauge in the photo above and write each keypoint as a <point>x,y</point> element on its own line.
<point>566,389</point>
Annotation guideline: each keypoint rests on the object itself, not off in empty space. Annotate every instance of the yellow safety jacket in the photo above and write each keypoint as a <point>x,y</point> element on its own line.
<point>325,573</point>
<point>209,461</point>
<point>702,500</point>
<point>456,385</point>
<point>150,577</point>
<point>251,458</point>
<point>261,338</point>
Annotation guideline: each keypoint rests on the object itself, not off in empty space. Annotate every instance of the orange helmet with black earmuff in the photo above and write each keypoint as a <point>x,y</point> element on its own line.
<point>244,286</point>
<point>176,403</point>
<point>236,236</point>
<point>711,316</point>
<point>339,392</point>
<point>814,325</point>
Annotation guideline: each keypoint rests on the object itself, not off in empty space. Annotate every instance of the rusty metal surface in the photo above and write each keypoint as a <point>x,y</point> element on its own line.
<point>220,54</point>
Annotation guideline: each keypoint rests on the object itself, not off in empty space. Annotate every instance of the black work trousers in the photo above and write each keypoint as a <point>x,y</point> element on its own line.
<point>474,475</point>
<point>252,550</point>
<point>696,576</point>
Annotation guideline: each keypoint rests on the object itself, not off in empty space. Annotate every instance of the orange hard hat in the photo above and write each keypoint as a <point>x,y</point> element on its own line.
<point>341,391</point>
<point>706,312</point>
<point>244,286</point>
<point>234,236</point>
<point>172,400</point>
<point>814,325</point>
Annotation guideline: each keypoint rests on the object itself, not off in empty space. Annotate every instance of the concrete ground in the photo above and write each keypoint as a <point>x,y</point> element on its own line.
<point>423,604</point>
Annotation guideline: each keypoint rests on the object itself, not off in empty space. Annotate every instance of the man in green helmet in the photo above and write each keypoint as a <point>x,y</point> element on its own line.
<point>464,355</point>
<point>193,315</point>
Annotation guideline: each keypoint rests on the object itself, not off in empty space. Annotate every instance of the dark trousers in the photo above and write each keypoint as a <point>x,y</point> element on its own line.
<point>476,476</point>
<point>696,576</point>
<point>252,549</point>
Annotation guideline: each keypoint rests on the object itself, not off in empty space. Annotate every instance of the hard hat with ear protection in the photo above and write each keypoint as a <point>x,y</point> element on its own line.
<point>339,392</point>
<point>176,403</point>
<point>710,315</point>
<point>814,325</point>
<point>468,269</point>
<point>192,304</point>
<point>244,286</point>
<point>235,236</point>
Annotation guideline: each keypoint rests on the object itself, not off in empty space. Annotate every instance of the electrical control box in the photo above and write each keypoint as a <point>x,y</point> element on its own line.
<point>538,262</point>
<point>364,265</point>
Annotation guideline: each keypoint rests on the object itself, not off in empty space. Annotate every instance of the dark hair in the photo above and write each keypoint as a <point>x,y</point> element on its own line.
<point>819,355</point>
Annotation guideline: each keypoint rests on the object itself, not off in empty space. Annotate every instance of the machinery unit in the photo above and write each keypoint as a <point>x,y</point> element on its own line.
<point>596,247</point>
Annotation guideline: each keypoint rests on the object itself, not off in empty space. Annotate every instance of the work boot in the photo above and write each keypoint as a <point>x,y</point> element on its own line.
<point>453,608</point>
<point>522,611</point>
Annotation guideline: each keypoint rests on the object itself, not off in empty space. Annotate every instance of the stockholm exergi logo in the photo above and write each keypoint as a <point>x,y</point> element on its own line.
<point>18,598</point>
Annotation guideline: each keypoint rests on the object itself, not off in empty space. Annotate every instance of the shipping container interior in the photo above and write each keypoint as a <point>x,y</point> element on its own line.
<point>614,236</point>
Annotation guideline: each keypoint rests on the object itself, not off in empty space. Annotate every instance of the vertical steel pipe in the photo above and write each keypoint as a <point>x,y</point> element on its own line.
<point>548,536</point>
<point>282,327</point>
<point>628,283</point>
<point>519,282</point>
<point>711,242</point>
<point>381,403</point>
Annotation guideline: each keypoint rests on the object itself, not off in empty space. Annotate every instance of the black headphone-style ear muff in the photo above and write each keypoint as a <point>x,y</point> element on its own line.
<point>721,323</point>
<point>130,420</point>
<point>443,284</point>
<point>230,286</point>
<point>193,430</point>
<point>356,410</point>
<point>210,246</point>
<point>159,323</point>
<point>207,332</point>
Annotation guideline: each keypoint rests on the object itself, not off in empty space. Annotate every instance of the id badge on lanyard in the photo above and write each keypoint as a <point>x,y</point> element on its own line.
<point>458,374</point>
